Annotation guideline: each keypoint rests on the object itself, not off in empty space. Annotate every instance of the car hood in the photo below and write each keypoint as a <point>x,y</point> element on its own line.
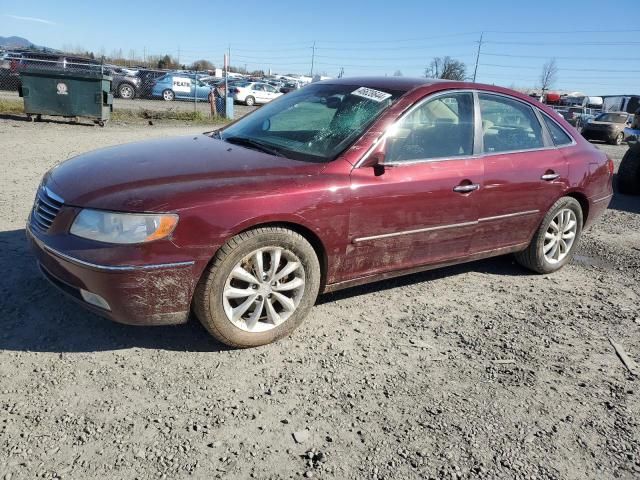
<point>169,174</point>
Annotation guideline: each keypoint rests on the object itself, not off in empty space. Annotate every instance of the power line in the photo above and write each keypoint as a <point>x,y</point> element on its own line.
<point>562,69</point>
<point>494,42</point>
<point>546,57</point>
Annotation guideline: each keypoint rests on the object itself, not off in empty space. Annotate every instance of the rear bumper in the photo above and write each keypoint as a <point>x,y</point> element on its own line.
<point>155,294</point>
<point>597,206</point>
<point>603,135</point>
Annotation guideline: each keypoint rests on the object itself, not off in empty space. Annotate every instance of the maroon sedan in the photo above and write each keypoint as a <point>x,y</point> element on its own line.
<point>339,183</point>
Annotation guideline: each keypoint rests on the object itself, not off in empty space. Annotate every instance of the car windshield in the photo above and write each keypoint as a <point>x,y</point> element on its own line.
<point>612,117</point>
<point>315,123</point>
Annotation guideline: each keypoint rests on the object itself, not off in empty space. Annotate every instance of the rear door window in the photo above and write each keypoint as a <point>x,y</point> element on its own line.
<point>508,125</point>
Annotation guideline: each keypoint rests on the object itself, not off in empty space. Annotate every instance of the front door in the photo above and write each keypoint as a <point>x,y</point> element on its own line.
<point>524,174</point>
<point>422,209</point>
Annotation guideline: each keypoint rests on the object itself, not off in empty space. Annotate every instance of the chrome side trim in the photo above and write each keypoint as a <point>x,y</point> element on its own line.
<point>603,199</point>
<point>107,268</point>
<point>116,268</point>
<point>508,215</point>
<point>410,232</point>
<point>444,227</point>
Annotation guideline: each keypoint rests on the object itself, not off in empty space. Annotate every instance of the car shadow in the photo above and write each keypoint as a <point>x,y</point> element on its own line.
<point>621,202</point>
<point>23,118</point>
<point>504,265</point>
<point>38,317</point>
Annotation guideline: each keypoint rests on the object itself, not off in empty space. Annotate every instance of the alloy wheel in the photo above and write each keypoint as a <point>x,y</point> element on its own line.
<point>560,235</point>
<point>264,289</point>
<point>126,92</point>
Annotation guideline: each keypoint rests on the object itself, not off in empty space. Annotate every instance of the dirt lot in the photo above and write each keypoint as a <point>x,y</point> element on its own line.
<point>477,371</point>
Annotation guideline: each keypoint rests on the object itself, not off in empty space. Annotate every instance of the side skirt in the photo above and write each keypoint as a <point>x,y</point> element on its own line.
<point>422,268</point>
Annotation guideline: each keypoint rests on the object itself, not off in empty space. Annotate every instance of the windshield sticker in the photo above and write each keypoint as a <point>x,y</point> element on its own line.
<point>371,94</point>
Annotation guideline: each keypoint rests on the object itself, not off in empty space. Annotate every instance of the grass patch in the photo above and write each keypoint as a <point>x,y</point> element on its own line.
<point>11,106</point>
<point>143,114</point>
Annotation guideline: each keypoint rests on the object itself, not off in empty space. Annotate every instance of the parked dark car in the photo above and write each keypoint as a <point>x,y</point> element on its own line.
<point>147,81</point>
<point>607,127</point>
<point>125,84</point>
<point>289,87</point>
<point>340,183</point>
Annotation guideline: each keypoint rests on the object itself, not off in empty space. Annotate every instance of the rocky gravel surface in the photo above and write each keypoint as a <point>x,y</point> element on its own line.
<point>476,371</point>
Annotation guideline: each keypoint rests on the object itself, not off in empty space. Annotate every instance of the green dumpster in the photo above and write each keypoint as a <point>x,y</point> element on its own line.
<point>67,93</point>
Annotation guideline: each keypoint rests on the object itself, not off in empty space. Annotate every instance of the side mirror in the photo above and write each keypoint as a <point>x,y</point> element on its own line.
<point>376,159</point>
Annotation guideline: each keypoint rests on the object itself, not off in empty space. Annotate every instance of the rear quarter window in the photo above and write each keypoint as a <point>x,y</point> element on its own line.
<point>559,136</point>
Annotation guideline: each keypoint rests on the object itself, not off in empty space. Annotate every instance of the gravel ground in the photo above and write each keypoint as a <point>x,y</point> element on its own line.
<point>476,371</point>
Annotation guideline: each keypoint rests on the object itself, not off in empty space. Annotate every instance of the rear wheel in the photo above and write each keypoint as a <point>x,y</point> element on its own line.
<point>260,286</point>
<point>553,244</point>
<point>629,172</point>
<point>249,101</point>
<point>618,139</point>
<point>168,95</point>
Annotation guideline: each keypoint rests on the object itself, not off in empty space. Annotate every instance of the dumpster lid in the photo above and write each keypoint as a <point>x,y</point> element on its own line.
<point>90,71</point>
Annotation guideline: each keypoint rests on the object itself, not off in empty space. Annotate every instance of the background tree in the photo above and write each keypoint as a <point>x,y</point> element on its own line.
<point>549,75</point>
<point>202,64</point>
<point>446,68</point>
<point>397,73</point>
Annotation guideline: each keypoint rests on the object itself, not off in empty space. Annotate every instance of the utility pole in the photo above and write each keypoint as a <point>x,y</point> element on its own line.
<point>313,58</point>
<point>475,70</point>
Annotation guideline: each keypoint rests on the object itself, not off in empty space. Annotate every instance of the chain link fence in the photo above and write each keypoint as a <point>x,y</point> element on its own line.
<point>143,92</point>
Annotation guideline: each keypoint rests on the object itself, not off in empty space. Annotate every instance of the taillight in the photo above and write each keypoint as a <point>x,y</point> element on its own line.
<point>610,165</point>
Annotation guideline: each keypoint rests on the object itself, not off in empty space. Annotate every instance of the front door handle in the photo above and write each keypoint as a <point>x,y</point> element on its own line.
<point>470,187</point>
<point>550,176</point>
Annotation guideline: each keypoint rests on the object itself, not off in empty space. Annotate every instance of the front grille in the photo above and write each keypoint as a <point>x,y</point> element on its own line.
<point>45,208</point>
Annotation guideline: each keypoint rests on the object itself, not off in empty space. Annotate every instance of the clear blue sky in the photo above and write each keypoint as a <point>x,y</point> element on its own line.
<point>596,43</point>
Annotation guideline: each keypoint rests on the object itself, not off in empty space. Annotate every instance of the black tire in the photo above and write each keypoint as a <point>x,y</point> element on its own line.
<point>629,172</point>
<point>126,91</point>
<point>207,300</point>
<point>249,101</point>
<point>168,95</point>
<point>533,256</point>
<point>618,139</point>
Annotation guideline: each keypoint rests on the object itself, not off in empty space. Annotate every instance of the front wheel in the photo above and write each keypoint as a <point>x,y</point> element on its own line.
<point>168,95</point>
<point>249,101</point>
<point>553,244</point>
<point>260,286</point>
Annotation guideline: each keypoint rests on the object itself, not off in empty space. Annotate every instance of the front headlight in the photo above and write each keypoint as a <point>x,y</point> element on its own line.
<point>112,227</point>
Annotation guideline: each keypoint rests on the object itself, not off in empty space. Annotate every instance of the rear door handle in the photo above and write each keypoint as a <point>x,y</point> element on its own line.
<point>471,187</point>
<point>550,176</point>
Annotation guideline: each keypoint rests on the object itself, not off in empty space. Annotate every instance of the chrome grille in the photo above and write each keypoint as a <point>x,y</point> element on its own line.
<point>45,208</point>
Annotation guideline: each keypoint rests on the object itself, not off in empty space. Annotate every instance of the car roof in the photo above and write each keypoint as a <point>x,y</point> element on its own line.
<point>393,83</point>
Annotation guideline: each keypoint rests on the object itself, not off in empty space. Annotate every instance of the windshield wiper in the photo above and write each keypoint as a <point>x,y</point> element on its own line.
<point>251,143</point>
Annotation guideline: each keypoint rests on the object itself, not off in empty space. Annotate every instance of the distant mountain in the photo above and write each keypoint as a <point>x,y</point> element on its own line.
<point>15,42</point>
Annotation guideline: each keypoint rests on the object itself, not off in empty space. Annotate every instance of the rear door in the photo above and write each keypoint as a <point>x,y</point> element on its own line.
<point>524,173</point>
<point>258,92</point>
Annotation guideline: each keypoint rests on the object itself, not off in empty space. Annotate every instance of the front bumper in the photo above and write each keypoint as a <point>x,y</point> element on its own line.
<point>153,294</point>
